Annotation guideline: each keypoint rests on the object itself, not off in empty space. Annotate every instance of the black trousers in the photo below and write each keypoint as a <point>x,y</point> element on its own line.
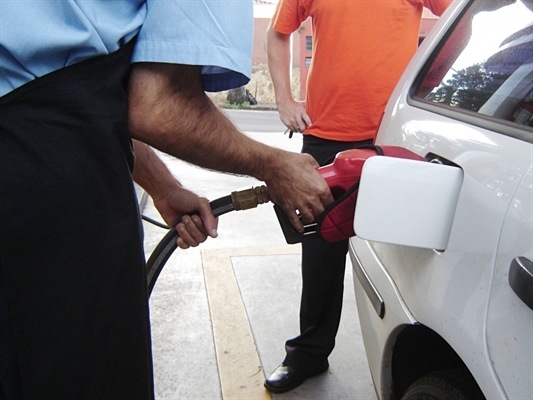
<point>323,268</point>
<point>73,297</point>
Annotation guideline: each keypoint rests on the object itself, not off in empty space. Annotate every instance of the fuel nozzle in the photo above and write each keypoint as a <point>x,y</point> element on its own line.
<point>249,198</point>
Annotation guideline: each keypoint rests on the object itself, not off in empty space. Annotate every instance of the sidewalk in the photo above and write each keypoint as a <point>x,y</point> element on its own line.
<point>221,312</point>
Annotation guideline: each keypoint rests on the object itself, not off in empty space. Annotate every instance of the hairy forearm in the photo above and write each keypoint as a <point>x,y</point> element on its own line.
<point>150,172</point>
<point>172,200</point>
<point>170,111</point>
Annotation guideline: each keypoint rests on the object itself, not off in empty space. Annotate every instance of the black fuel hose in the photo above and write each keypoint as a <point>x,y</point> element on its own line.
<point>240,200</point>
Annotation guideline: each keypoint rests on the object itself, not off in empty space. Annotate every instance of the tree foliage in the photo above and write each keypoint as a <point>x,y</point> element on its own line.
<point>468,88</point>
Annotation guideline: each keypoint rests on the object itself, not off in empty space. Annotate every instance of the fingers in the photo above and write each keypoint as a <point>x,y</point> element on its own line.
<point>297,222</point>
<point>303,214</point>
<point>301,122</point>
<point>191,231</point>
<point>306,120</point>
<point>210,222</point>
<point>294,116</point>
<point>300,190</point>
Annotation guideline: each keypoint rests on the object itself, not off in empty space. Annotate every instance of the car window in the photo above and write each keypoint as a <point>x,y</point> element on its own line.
<point>485,65</point>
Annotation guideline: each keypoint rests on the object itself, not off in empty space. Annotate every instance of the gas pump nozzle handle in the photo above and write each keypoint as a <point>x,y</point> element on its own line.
<point>341,174</point>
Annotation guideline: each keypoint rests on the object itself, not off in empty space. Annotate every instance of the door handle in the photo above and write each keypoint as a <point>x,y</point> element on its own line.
<point>521,279</point>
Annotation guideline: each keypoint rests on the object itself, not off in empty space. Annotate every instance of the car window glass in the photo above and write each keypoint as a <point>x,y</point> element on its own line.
<point>486,64</point>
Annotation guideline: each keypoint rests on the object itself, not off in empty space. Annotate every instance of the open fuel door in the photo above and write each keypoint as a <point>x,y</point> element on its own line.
<point>407,202</point>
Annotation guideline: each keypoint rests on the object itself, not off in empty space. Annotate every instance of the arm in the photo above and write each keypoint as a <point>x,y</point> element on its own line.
<point>292,113</point>
<point>169,110</point>
<point>437,7</point>
<point>173,201</point>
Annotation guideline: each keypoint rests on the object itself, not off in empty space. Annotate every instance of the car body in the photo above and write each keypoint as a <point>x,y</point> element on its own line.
<point>459,319</point>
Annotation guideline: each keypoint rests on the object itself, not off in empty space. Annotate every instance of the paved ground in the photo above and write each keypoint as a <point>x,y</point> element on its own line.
<point>222,312</point>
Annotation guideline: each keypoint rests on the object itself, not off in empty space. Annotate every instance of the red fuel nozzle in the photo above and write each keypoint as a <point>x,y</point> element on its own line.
<point>342,176</point>
<point>345,170</point>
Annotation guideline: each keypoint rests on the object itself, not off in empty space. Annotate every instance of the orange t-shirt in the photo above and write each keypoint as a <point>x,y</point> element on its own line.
<point>360,49</point>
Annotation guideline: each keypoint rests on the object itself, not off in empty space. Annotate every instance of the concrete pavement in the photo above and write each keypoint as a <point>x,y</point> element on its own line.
<point>221,312</point>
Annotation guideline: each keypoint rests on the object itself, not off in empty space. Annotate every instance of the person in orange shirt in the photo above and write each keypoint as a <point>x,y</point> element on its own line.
<point>360,49</point>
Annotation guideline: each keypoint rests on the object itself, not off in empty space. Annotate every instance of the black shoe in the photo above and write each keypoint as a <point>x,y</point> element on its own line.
<point>285,378</point>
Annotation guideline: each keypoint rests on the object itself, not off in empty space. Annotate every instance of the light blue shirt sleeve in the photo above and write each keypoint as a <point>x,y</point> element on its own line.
<point>216,34</point>
<point>39,37</point>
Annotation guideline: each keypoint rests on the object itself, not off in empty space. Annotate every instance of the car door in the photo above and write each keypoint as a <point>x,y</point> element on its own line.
<point>509,335</point>
<point>507,94</point>
<point>470,106</point>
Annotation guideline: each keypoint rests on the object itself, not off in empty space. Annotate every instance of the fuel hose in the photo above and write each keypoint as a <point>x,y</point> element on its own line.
<point>236,201</point>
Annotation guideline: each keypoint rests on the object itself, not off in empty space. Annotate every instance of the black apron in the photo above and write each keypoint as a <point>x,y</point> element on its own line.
<point>73,282</point>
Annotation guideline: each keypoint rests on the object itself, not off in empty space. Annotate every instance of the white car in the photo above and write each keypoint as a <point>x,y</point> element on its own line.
<point>453,319</point>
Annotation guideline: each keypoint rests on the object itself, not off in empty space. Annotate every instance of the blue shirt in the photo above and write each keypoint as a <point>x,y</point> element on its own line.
<point>38,37</point>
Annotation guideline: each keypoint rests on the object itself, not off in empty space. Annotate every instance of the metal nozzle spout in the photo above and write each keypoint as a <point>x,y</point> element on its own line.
<point>249,198</point>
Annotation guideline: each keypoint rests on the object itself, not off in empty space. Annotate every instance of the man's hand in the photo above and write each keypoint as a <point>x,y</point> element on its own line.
<point>294,115</point>
<point>178,206</point>
<point>298,188</point>
<point>190,214</point>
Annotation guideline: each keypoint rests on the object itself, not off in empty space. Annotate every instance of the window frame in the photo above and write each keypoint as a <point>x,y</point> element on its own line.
<point>309,43</point>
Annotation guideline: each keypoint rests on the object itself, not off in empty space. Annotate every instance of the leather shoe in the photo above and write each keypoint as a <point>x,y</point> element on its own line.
<point>285,378</point>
